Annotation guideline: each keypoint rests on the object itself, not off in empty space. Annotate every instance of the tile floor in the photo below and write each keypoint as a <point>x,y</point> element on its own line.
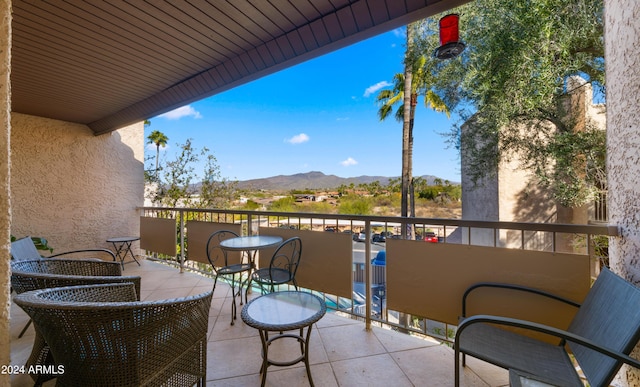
<point>342,352</point>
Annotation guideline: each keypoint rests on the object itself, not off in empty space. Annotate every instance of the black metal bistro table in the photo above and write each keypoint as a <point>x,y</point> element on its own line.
<point>281,312</point>
<point>122,246</point>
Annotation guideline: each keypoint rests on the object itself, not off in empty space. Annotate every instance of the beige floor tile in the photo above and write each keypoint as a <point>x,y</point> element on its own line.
<point>233,358</point>
<point>393,341</point>
<point>435,365</point>
<point>349,341</point>
<point>322,375</point>
<point>332,319</point>
<point>371,371</point>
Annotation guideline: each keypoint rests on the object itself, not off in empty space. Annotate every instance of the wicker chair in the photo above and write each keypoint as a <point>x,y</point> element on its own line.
<point>24,249</point>
<point>282,267</point>
<point>102,336</point>
<point>52,273</point>
<point>603,332</point>
<point>222,267</point>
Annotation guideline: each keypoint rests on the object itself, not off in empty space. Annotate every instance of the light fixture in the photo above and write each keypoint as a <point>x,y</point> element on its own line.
<point>450,45</point>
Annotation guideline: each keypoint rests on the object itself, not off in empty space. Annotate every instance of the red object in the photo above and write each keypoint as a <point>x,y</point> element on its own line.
<point>450,44</point>
<point>449,29</point>
<point>431,237</point>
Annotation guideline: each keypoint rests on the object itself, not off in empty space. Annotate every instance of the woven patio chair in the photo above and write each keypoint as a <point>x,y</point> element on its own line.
<point>223,267</point>
<point>282,267</point>
<point>24,249</point>
<point>51,273</point>
<point>102,336</point>
<point>601,335</point>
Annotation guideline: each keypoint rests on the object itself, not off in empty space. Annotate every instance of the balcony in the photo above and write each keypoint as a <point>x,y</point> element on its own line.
<point>397,336</point>
<point>343,352</point>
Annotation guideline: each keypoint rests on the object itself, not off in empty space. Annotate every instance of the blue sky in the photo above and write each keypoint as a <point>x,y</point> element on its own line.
<point>320,115</point>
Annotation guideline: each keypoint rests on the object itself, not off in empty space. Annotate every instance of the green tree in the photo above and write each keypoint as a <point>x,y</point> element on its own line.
<point>159,139</point>
<point>404,94</point>
<point>394,185</point>
<point>175,183</point>
<point>511,86</point>
<point>179,184</point>
<point>215,190</point>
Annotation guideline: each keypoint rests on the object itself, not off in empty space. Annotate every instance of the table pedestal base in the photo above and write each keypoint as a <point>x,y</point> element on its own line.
<point>304,351</point>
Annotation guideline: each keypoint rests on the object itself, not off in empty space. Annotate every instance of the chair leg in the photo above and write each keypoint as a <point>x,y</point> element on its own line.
<point>24,329</point>
<point>215,281</point>
<point>457,366</point>
<point>233,297</point>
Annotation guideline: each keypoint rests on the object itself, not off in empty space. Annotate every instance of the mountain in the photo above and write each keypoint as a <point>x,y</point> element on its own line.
<point>314,180</point>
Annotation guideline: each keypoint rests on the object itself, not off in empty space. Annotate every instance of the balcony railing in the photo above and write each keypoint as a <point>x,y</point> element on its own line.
<point>414,290</point>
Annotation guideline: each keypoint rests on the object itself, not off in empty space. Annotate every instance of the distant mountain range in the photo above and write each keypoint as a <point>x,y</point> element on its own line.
<point>315,180</point>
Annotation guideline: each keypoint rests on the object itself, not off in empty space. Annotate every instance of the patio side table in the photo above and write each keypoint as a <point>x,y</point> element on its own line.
<point>122,247</point>
<point>282,312</point>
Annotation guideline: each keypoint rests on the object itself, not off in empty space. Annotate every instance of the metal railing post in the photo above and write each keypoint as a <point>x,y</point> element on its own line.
<point>181,241</point>
<point>368,274</point>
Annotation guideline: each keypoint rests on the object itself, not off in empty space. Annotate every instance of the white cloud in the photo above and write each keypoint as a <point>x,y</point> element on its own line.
<point>372,89</point>
<point>184,111</point>
<point>298,139</point>
<point>400,32</point>
<point>348,162</point>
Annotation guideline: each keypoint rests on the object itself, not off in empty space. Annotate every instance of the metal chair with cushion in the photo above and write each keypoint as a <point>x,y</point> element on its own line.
<point>24,249</point>
<point>103,336</point>
<point>51,273</point>
<point>282,266</point>
<point>600,337</point>
<point>223,266</point>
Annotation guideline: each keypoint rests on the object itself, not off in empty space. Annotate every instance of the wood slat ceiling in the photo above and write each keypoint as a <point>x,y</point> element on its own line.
<point>111,63</point>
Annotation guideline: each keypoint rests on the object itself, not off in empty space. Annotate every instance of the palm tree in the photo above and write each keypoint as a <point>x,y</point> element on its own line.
<point>159,139</point>
<point>406,89</point>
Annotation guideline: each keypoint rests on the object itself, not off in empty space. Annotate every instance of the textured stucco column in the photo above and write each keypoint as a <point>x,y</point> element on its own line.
<point>622,38</point>
<point>5,217</point>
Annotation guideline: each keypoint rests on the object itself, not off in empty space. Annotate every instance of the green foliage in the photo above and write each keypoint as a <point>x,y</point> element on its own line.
<point>509,85</point>
<point>440,191</point>
<point>175,183</point>
<point>286,204</point>
<point>178,184</point>
<point>215,191</point>
<point>39,242</point>
<point>315,207</point>
<point>251,205</point>
<point>355,205</point>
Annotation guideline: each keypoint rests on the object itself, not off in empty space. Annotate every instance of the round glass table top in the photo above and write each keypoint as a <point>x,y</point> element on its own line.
<point>283,311</point>
<point>250,242</point>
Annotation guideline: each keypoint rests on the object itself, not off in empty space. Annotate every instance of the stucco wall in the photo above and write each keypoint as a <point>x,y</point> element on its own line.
<point>72,187</point>
<point>623,140</point>
<point>5,215</point>
<point>622,34</point>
